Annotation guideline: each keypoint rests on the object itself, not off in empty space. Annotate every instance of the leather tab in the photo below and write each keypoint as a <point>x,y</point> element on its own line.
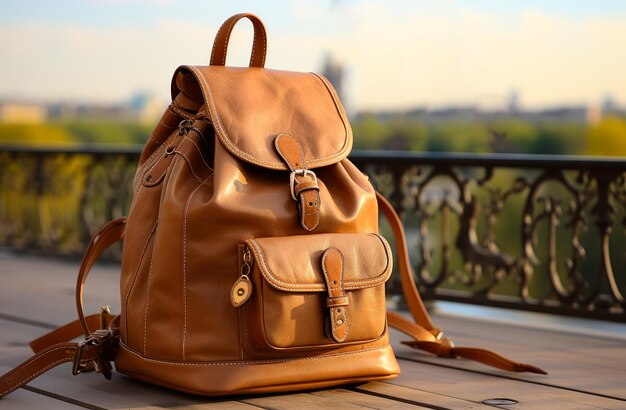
<point>337,301</point>
<point>305,188</point>
<point>290,151</point>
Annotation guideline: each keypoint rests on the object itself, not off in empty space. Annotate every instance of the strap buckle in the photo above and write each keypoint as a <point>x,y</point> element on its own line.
<point>292,179</point>
<point>100,364</point>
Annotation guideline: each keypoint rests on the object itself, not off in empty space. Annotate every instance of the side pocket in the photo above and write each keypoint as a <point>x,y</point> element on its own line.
<point>312,292</point>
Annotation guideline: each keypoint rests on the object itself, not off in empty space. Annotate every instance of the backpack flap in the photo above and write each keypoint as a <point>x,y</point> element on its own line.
<point>250,107</point>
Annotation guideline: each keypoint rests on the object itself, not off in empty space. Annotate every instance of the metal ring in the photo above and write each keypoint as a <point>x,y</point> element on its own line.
<point>292,180</point>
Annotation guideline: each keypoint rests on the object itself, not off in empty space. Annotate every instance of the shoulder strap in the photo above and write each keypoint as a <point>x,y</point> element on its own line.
<point>54,348</point>
<point>425,335</point>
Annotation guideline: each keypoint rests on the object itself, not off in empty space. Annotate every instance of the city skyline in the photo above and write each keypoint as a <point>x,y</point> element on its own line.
<point>396,55</point>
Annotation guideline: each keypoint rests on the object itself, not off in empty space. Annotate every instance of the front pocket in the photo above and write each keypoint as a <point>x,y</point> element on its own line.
<point>312,291</point>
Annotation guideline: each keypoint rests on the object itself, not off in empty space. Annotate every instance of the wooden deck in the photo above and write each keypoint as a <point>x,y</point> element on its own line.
<point>585,372</point>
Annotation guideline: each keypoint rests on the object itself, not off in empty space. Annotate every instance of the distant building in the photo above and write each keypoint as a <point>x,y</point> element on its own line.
<point>15,112</point>
<point>610,107</point>
<point>513,102</point>
<point>146,107</point>
<point>334,72</point>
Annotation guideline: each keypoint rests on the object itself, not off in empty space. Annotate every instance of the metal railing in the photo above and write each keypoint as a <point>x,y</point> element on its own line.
<point>543,233</point>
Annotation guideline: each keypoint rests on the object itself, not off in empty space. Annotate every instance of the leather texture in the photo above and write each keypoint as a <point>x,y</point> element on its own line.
<point>230,286</point>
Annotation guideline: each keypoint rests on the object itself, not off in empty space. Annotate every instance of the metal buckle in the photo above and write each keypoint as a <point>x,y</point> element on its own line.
<point>79,367</point>
<point>292,180</point>
<point>94,339</point>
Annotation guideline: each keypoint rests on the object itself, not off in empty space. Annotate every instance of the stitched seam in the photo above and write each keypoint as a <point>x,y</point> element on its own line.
<point>185,265</point>
<point>254,35</point>
<point>280,152</point>
<point>158,179</point>
<point>141,171</point>
<point>36,374</point>
<point>246,363</point>
<point>33,359</point>
<point>228,144</point>
<point>216,37</point>
<point>200,152</point>
<point>191,170</point>
<point>154,154</point>
<point>227,39</point>
<point>315,212</point>
<point>279,284</point>
<point>343,152</point>
<point>145,319</point>
<point>300,151</point>
<point>155,164</point>
<point>132,284</point>
<point>264,36</point>
<point>328,284</point>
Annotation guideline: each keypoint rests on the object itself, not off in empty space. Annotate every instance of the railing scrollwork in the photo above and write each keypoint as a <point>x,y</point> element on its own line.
<point>530,232</point>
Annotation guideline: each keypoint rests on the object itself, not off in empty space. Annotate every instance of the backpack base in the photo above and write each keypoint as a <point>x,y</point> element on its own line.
<point>261,376</point>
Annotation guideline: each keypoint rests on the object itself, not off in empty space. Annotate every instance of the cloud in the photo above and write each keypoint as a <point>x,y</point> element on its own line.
<point>400,55</point>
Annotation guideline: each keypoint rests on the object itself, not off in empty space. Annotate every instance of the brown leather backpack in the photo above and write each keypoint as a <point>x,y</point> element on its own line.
<point>252,260</point>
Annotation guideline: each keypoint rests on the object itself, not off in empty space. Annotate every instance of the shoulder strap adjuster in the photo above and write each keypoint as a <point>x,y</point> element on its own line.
<point>100,341</point>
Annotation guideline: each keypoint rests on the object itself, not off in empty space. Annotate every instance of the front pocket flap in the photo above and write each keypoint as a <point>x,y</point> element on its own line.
<point>293,263</point>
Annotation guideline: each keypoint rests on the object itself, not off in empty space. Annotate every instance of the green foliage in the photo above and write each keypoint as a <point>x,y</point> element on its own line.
<point>108,132</point>
<point>608,137</point>
<point>458,137</point>
<point>75,132</point>
<point>369,133</point>
<point>35,134</point>
<point>511,135</point>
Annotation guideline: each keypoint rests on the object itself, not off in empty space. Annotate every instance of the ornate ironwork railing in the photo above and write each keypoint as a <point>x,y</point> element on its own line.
<point>544,233</point>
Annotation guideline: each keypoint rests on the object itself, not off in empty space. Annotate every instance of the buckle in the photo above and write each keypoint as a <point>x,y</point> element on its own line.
<point>100,364</point>
<point>292,180</point>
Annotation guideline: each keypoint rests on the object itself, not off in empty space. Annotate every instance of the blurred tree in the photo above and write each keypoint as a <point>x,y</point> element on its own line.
<point>369,132</point>
<point>608,137</point>
<point>34,134</point>
<point>458,137</point>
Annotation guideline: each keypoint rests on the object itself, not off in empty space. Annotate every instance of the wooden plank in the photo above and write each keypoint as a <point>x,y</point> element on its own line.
<point>418,395</point>
<point>363,399</point>
<point>23,399</point>
<point>476,387</point>
<point>43,289</point>
<point>328,399</point>
<point>91,388</point>
<point>596,365</point>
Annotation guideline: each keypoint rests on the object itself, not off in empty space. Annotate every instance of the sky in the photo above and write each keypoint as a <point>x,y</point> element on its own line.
<point>397,54</point>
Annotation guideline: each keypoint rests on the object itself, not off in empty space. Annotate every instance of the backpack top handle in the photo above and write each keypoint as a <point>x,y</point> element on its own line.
<point>259,44</point>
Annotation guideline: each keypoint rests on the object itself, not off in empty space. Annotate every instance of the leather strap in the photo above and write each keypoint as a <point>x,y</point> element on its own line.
<point>69,331</point>
<point>53,349</point>
<point>337,301</point>
<point>79,353</point>
<point>105,237</point>
<point>425,335</point>
<point>303,183</point>
<point>259,44</point>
